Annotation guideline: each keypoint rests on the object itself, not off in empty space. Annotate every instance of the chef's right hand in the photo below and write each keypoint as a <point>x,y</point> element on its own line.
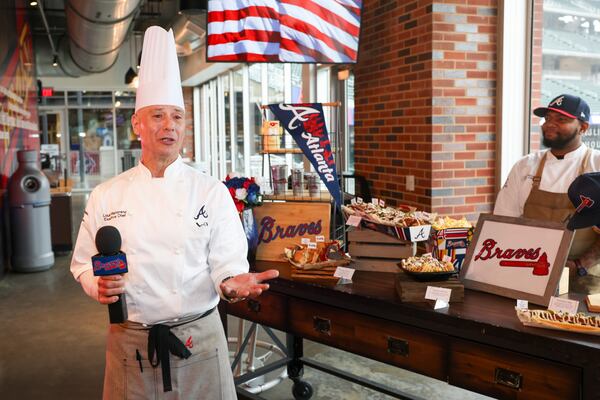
<point>109,287</point>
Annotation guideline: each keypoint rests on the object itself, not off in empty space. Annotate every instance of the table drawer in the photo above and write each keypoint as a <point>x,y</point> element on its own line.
<point>508,375</point>
<point>268,309</point>
<point>386,341</point>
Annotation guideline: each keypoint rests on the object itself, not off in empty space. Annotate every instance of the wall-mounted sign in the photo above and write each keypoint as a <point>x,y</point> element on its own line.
<point>47,92</point>
<point>283,225</point>
<point>517,257</point>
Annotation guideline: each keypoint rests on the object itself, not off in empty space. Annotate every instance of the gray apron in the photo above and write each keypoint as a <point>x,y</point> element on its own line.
<point>549,206</point>
<point>206,374</point>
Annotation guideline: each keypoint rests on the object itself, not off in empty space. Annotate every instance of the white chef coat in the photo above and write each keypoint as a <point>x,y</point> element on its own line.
<point>181,234</point>
<point>557,177</point>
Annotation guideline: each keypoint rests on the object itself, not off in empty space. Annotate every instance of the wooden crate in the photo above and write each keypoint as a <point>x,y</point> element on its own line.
<point>375,251</point>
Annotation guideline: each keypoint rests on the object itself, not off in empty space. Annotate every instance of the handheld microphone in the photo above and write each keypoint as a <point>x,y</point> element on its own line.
<point>111,261</point>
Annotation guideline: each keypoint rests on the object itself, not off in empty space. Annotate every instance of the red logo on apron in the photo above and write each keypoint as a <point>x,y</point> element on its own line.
<point>189,343</point>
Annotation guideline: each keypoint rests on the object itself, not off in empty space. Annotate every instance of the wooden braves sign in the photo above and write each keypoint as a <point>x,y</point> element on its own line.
<point>516,257</point>
<point>283,225</point>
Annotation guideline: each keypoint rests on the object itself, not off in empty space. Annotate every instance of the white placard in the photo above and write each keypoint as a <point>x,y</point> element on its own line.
<point>359,200</point>
<point>375,200</point>
<point>419,233</point>
<point>382,203</point>
<point>353,220</point>
<point>319,238</point>
<point>344,273</point>
<point>312,245</point>
<point>440,304</point>
<point>353,201</point>
<point>522,304</point>
<point>447,258</point>
<point>563,305</point>
<point>438,293</point>
<point>305,240</point>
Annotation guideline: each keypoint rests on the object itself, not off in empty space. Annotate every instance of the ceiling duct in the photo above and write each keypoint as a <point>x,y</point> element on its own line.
<point>96,30</point>
<point>190,33</point>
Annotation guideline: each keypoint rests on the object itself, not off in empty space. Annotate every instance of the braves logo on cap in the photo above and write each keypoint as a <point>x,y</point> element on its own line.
<point>557,102</point>
<point>586,202</point>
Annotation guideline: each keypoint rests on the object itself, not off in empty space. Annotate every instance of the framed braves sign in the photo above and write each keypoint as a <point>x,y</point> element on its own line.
<point>516,257</point>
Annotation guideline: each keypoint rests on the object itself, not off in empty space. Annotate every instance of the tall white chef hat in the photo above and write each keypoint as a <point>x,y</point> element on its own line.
<point>159,79</point>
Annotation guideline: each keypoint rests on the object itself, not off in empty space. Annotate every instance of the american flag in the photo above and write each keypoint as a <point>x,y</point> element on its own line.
<point>323,31</point>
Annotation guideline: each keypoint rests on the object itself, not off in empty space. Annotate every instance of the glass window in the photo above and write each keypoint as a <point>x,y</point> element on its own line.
<point>90,99</point>
<point>90,131</point>
<point>296,78</point>
<point>227,122</point>
<point>569,33</point>
<point>57,99</point>
<point>124,99</point>
<point>255,90</point>
<point>238,110</point>
<point>350,123</point>
<point>275,82</point>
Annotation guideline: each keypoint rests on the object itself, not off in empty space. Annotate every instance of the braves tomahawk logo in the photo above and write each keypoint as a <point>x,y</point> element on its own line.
<point>514,257</point>
<point>557,102</point>
<point>586,202</point>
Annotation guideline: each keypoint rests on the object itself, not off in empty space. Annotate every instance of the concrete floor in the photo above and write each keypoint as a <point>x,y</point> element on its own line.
<point>52,345</point>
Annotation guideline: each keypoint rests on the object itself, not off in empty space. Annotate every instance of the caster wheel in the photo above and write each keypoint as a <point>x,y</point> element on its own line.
<point>302,390</point>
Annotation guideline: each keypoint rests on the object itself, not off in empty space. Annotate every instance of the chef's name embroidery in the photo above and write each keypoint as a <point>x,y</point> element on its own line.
<point>114,214</point>
<point>270,231</point>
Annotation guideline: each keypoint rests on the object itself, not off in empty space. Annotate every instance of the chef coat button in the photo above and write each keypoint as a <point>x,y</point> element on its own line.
<point>179,213</point>
<point>130,213</point>
<point>131,251</point>
<point>177,251</point>
<point>174,291</point>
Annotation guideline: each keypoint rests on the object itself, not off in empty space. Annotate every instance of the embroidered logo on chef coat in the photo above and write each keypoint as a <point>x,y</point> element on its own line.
<point>201,213</point>
<point>114,214</point>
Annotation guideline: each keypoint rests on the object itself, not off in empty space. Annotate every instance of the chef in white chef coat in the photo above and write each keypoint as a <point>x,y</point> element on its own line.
<point>185,248</point>
<point>537,184</point>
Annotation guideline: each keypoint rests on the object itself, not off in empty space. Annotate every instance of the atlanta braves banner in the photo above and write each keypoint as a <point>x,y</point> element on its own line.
<point>306,124</point>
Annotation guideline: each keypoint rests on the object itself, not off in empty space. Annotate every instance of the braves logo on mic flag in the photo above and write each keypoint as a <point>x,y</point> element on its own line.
<point>306,124</point>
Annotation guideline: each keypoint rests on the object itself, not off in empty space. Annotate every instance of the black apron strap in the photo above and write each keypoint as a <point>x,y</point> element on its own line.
<point>162,342</point>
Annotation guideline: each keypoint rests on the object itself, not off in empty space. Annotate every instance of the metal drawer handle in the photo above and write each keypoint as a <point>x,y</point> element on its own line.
<point>322,325</point>
<point>254,305</point>
<point>508,378</point>
<point>397,346</point>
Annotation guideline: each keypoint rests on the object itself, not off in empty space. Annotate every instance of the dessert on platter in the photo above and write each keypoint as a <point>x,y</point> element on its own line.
<point>549,319</point>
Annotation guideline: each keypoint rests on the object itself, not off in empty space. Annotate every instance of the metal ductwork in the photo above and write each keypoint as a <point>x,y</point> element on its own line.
<point>190,33</point>
<point>96,30</point>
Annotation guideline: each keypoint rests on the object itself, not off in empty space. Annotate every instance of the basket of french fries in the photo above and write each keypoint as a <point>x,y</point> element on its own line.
<point>450,238</point>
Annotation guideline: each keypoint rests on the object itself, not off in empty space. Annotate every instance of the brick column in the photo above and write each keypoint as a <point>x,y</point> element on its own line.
<point>425,103</point>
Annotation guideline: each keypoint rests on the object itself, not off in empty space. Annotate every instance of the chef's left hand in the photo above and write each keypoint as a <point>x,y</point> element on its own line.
<point>247,285</point>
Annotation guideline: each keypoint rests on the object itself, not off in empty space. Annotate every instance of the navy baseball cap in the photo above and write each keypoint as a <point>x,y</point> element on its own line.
<point>584,193</point>
<point>569,105</point>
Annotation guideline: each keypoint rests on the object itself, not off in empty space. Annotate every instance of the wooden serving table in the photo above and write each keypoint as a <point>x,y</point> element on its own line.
<point>478,344</point>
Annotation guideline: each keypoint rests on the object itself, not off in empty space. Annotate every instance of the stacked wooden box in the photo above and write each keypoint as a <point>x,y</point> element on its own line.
<point>375,251</point>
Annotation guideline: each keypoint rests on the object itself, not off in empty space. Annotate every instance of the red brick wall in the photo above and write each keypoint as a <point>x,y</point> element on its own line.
<point>425,103</point>
<point>393,99</point>
<point>188,143</point>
